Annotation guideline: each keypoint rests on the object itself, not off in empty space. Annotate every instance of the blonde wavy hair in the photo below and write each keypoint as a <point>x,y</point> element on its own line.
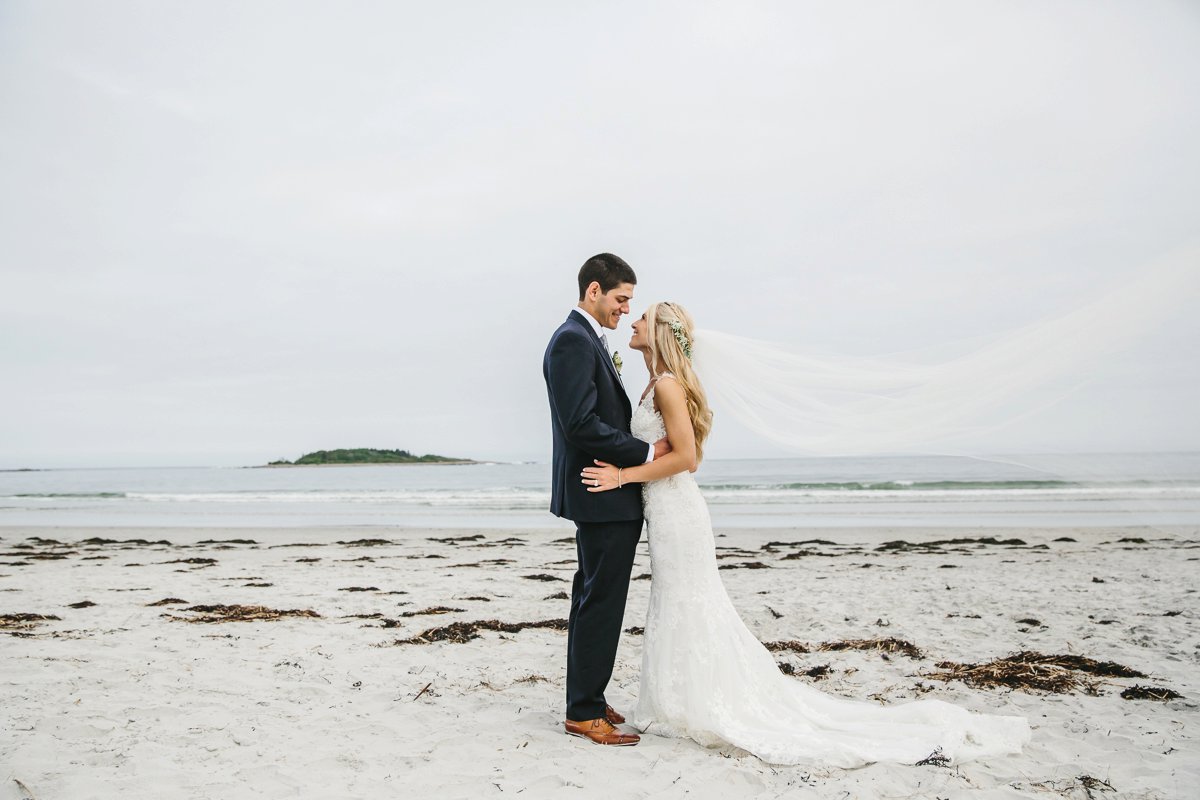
<point>666,350</point>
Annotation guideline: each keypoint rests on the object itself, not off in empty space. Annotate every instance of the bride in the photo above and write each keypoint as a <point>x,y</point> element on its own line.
<point>704,674</point>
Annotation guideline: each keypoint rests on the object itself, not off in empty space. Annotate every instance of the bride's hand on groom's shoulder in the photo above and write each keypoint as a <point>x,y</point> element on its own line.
<point>602,477</point>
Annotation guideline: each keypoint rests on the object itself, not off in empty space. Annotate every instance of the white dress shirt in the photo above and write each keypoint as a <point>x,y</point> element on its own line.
<point>599,331</point>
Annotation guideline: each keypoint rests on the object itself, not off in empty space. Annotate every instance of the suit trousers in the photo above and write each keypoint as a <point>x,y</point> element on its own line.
<point>605,551</point>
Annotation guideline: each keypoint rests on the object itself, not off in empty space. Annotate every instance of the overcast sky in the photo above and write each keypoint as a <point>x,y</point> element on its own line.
<point>232,232</point>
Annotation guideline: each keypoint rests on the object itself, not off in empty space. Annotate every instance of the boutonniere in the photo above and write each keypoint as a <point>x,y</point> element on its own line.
<point>617,362</point>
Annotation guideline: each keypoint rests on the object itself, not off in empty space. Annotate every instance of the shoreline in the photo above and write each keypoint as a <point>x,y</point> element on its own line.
<point>861,534</point>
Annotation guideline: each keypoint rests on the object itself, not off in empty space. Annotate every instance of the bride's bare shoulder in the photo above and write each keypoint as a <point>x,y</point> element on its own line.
<point>667,390</point>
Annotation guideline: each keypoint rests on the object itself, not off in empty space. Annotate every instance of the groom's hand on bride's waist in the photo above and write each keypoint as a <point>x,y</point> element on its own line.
<point>662,447</point>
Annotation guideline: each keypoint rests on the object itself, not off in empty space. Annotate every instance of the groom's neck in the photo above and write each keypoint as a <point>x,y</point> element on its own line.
<point>588,311</point>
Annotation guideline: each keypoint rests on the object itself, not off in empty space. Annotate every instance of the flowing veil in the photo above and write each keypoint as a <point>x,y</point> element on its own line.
<point>834,405</point>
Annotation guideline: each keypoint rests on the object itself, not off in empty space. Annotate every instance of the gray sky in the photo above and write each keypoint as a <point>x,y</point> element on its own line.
<point>231,232</point>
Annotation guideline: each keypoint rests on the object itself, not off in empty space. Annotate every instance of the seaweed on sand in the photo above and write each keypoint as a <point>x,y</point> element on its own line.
<point>886,645</point>
<point>1066,787</point>
<point>463,632</point>
<point>1107,669</point>
<point>816,673</point>
<point>432,610</point>
<point>798,554</point>
<point>1001,672</point>
<point>902,546</point>
<point>934,759</point>
<point>24,622</point>
<point>1033,671</point>
<point>772,545</point>
<point>239,613</point>
<point>1138,692</point>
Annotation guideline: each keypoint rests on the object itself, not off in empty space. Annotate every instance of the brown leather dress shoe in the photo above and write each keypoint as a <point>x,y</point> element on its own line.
<point>612,715</point>
<point>601,731</point>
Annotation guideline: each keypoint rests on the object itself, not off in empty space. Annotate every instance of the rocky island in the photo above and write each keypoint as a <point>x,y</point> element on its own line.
<point>365,455</point>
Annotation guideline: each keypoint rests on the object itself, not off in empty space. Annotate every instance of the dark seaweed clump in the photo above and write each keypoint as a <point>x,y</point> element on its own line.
<point>463,632</point>
<point>934,759</point>
<point>24,622</point>
<point>1137,692</point>
<point>239,613</point>
<point>1032,671</point>
<point>432,610</point>
<point>888,645</point>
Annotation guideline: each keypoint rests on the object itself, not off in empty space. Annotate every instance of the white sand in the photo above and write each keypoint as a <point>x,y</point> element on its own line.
<point>118,700</point>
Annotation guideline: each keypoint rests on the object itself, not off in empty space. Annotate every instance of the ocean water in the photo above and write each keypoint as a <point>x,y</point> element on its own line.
<point>930,492</point>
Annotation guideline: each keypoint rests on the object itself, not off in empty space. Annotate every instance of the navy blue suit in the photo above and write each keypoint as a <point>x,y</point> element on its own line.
<point>589,414</point>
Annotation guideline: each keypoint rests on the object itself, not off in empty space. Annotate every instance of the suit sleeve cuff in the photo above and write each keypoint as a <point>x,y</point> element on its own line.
<point>650,455</point>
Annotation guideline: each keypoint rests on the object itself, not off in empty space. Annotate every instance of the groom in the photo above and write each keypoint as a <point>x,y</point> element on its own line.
<point>590,413</point>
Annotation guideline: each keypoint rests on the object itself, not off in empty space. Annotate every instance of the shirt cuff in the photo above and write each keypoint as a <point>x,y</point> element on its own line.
<point>650,455</point>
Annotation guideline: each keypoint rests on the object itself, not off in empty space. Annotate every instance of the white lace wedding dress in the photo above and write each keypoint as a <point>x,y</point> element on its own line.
<point>705,676</point>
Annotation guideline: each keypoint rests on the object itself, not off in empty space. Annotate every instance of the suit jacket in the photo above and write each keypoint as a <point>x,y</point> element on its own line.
<point>589,415</point>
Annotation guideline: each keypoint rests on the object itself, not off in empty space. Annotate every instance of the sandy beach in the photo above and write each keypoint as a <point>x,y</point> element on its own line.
<point>123,676</point>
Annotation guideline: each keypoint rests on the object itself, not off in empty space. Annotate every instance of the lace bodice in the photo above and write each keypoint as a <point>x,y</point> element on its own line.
<point>647,424</point>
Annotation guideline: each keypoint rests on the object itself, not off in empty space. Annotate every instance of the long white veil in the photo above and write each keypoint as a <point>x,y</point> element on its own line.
<point>842,405</point>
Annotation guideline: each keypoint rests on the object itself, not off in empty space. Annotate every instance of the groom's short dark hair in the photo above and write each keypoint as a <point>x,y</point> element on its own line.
<point>607,270</point>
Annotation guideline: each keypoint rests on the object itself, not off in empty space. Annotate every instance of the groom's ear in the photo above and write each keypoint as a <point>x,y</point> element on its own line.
<point>593,290</point>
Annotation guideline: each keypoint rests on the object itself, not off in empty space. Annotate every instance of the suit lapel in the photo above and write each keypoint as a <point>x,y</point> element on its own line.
<point>604,355</point>
<point>608,360</point>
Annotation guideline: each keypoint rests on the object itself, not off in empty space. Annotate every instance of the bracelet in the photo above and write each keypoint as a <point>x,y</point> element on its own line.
<point>619,477</point>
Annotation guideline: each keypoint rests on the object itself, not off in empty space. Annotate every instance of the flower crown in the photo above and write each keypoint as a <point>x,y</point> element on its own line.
<point>681,337</point>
